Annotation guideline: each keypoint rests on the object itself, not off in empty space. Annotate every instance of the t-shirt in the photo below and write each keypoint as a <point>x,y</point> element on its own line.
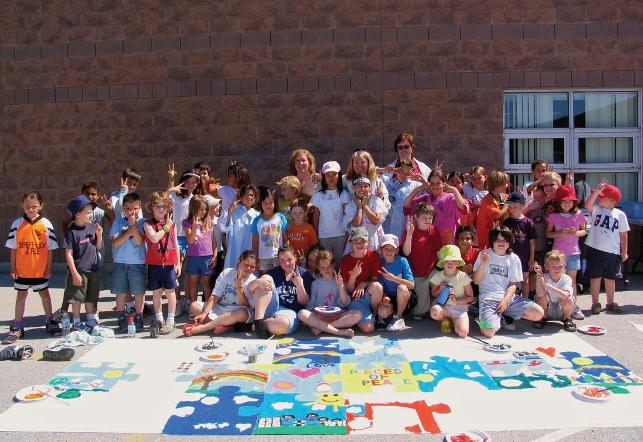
<point>606,227</point>
<point>180,211</point>
<point>302,237</point>
<point>239,232</point>
<point>128,252</point>
<point>424,250</point>
<point>116,199</point>
<point>271,234</point>
<point>376,204</point>
<point>202,245</point>
<point>395,222</point>
<point>97,215</point>
<point>370,267</point>
<point>488,212</point>
<point>539,218</point>
<point>226,289</point>
<point>163,252</point>
<point>447,213</point>
<point>524,231</point>
<point>498,274</point>
<point>399,267</point>
<point>377,183</point>
<point>568,244</point>
<point>32,241</point>
<point>472,194</point>
<point>286,290</point>
<point>227,195</point>
<point>564,283</point>
<point>331,206</point>
<point>325,292</point>
<point>459,282</point>
<point>82,241</point>
<point>469,259</point>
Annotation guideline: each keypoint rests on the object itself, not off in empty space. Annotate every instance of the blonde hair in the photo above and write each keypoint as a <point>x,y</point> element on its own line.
<point>554,176</point>
<point>370,169</point>
<point>193,209</point>
<point>555,256</point>
<point>497,178</point>
<point>326,254</point>
<point>290,181</point>
<point>159,197</point>
<point>312,164</point>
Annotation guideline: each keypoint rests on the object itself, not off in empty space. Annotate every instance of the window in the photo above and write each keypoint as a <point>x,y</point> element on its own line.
<point>595,133</point>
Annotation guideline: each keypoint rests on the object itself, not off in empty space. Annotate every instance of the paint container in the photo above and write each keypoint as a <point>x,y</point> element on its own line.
<point>252,354</point>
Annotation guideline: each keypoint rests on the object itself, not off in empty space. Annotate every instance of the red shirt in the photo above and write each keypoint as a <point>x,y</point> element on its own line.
<point>164,252</point>
<point>469,259</point>
<point>424,250</point>
<point>371,266</point>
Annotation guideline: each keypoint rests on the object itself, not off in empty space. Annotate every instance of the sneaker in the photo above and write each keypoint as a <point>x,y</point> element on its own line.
<point>61,354</point>
<point>613,308</point>
<point>260,329</point>
<point>508,323</point>
<point>122,324</point>
<point>80,326</point>
<point>89,325</point>
<point>417,317</point>
<point>596,308</point>
<point>59,315</point>
<point>53,328</point>
<point>13,336</point>
<point>569,325</point>
<point>97,317</point>
<point>138,322</point>
<point>155,328</point>
<point>166,328</point>
<point>396,324</point>
<point>577,314</point>
<point>16,352</point>
<point>445,326</point>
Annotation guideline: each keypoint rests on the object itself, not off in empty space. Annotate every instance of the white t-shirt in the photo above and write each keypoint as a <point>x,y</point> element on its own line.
<point>331,212</point>
<point>564,283</point>
<point>376,204</point>
<point>473,194</point>
<point>499,273</point>
<point>179,211</point>
<point>606,225</point>
<point>225,287</point>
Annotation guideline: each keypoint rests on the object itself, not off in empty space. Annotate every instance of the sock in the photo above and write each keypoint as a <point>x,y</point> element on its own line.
<point>159,316</point>
<point>76,320</point>
<point>170,317</point>
<point>48,318</point>
<point>91,317</point>
<point>17,323</point>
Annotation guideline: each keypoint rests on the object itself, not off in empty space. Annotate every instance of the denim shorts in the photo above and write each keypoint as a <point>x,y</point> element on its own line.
<point>128,278</point>
<point>198,265</point>
<point>291,316</point>
<point>161,277</point>
<point>183,244</point>
<point>363,305</point>
<point>573,262</point>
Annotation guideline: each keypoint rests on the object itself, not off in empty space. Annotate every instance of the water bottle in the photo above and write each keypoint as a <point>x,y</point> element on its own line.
<point>131,328</point>
<point>444,294</point>
<point>65,325</point>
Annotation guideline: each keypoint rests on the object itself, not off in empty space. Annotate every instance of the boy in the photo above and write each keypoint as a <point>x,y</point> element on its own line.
<point>538,169</point>
<point>524,236</point>
<point>301,235</point>
<point>128,250</point>
<point>82,242</point>
<point>420,246</point>
<point>360,270</point>
<point>290,187</point>
<point>554,291</point>
<point>130,180</point>
<point>365,209</point>
<point>606,243</point>
<point>396,279</point>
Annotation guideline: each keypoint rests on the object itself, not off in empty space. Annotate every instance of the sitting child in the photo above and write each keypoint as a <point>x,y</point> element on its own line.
<point>329,291</point>
<point>554,291</point>
<point>396,279</point>
<point>461,295</point>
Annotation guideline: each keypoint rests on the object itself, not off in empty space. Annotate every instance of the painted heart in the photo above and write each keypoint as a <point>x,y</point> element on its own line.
<point>549,351</point>
<point>304,374</point>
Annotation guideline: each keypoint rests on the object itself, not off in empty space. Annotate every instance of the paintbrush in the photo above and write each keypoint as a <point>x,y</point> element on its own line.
<point>53,397</point>
<point>479,340</point>
<point>609,388</point>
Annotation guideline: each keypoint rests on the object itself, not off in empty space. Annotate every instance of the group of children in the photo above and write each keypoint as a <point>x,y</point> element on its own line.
<point>364,249</point>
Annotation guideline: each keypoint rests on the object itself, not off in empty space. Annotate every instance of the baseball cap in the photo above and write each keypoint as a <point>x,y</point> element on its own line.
<point>391,240</point>
<point>358,233</point>
<point>516,198</point>
<point>611,192</point>
<point>565,193</point>
<point>78,203</point>
<point>212,201</point>
<point>331,166</point>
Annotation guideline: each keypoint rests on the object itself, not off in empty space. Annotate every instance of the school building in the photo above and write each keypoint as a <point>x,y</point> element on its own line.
<point>89,87</point>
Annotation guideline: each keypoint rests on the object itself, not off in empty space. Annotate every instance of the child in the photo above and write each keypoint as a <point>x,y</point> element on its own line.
<point>228,304</point>
<point>328,209</point>
<point>300,234</point>
<point>215,212</point>
<point>202,247</point>
<point>237,177</point>
<point>329,290</point>
<point>554,291</point>
<point>208,184</point>
<point>466,238</point>
<point>366,210</point>
<point>362,164</point>
<point>290,189</point>
<point>448,203</point>
<point>399,185</point>
<point>492,207</point>
<point>130,179</point>
<point>454,179</point>
<point>461,296</point>
<point>474,190</point>
<point>238,225</point>
<point>396,279</point>
<point>566,224</point>
<point>82,242</point>
<point>606,242</point>
<point>420,245</point>
<point>162,258</point>
<point>524,234</point>
<point>311,260</point>
<point>538,169</point>
<point>128,251</point>
<point>268,230</point>
<point>31,238</point>
<point>497,272</point>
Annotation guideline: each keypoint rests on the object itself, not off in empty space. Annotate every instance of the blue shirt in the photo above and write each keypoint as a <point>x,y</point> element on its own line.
<point>399,267</point>
<point>286,290</point>
<point>128,252</point>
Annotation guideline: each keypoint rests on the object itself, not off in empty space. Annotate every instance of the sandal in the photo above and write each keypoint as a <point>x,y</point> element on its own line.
<point>187,328</point>
<point>569,325</point>
<point>539,324</point>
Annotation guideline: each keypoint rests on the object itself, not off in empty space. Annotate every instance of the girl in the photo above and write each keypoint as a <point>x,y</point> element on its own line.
<point>329,291</point>
<point>362,164</point>
<point>202,247</point>
<point>454,179</point>
<point>466,238</point>
<point>238,224</point>
<point>399,186</point>
<point>237,177</point>
<point>268,230</point>
<point>497,272</point>
<point>311,260</point>
<point>328,209</point>
<point>31,238</point>
<point>461,295</point>
<point>367,210</point>
<point>445,199</point>
<point>301,234</point>
<point>565,225</point>
<point>208,184</point>
<point>492,208</point>
<point>474,190</point>
<point>162,258</point>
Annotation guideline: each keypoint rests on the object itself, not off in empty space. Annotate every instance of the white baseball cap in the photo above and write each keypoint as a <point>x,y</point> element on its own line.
<point>331,166</point>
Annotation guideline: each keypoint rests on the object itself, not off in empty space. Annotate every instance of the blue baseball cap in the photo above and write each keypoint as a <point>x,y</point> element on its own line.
<point>78,203</point>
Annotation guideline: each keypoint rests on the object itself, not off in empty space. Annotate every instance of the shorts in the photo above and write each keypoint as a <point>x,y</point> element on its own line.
<point>516,309</point>
<point>219,310</point>
<point>454,311</point>
<point>128,278</point>
<point>413,301</point>
<point>268,264</point>
<point>290,315</point>
<point>198,265</point>
<point>183,244</point>
<point>363,305</point>
<point>573,262</point>
<point>35,284</point>
<point>88,292</point>
<point>161,277</point>
<point>554,311</point>
<point>602,264</point>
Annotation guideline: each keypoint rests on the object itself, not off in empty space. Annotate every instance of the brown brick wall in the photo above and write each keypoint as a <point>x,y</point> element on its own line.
<point>88,87</point>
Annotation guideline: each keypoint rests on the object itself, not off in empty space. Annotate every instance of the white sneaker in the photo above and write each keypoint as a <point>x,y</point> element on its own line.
<point>509,326</point>
<point>97,317</point>
<point>577,314</point>
<point>396,324</point>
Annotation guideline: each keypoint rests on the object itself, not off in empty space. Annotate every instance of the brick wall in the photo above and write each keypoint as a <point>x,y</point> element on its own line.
<point>90,87</point>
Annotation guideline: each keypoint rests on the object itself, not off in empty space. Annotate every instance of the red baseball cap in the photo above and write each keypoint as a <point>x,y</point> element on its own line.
<point>565,193</point>
<point>611,192</point>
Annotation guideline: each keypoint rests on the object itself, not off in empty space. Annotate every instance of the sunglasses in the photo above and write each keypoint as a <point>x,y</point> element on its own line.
<point>403,146</point>
<point>160,206</point>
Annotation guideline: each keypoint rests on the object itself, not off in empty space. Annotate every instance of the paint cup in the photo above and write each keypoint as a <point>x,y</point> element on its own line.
<point>252,354</point>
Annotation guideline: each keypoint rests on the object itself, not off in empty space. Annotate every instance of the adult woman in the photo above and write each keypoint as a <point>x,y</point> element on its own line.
<point>302,165</point>
<point>404,145</point>
<point>362,164</point>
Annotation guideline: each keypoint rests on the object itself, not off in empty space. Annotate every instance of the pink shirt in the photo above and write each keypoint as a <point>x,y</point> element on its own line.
<point>567,244</point>
<point>447,214</point>
<point>203,244</point>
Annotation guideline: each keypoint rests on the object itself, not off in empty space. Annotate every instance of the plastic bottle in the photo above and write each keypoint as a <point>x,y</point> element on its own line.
<point>131,328</point>
<point>65,326</point>
<point>444,294</point>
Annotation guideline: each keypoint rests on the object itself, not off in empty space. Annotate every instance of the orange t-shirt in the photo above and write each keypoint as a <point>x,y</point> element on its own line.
<point>488,212</point>
<point>301,238</point>
<point>32,240</point>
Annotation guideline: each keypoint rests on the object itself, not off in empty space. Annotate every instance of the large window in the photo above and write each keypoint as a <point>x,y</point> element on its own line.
<point>595,133</point>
